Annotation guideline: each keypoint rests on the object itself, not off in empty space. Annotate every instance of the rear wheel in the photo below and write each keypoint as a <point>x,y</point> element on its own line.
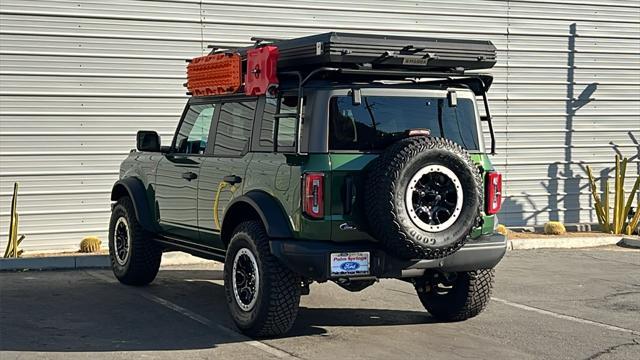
<point>456,297</point>
<point>135,258</point>
<point>262,294</point>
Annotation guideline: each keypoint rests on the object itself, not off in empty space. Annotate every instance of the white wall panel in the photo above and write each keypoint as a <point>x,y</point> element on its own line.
<point>79,78</point>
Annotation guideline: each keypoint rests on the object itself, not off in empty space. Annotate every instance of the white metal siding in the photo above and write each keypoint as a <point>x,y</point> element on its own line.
<point>79,78</point>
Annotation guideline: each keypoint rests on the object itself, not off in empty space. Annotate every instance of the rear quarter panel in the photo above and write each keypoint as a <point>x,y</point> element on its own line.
<point>279,175</point>
<point>489,221</point>
<point>354,224</point>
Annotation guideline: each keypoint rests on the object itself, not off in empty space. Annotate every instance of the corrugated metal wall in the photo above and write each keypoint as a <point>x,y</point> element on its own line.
<point>79,78</point>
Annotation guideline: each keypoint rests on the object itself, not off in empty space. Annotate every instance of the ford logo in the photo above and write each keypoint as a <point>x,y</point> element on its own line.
<point>350,266</point>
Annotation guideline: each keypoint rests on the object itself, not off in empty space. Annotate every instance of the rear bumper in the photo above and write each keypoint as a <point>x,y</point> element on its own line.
<point>311,259</point>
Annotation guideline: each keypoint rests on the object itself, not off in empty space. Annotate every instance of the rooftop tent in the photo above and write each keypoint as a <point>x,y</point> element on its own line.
<point>385,52</point>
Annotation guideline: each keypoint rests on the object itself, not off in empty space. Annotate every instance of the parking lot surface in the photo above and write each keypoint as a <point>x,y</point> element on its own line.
<point>547,304</point>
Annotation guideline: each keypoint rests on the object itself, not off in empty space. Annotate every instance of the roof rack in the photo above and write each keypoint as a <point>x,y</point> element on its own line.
<point>260,40</point>
<point>349,57</point>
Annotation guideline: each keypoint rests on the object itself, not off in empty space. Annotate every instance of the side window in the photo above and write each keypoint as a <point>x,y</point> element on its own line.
<point>234,128</point>
<point>457,127</point>
<point>286,126</point>
<point>194,130</point>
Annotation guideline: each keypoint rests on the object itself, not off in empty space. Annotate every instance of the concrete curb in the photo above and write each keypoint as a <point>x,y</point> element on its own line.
<point>72,262</point>
<point>563,242</point>
<point>572,227</point>
<point>55,262</point>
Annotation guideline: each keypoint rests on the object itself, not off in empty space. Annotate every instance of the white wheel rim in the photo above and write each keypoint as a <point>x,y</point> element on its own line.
<point>122,241</point>
<point>245,279</point>
<point>418,211</point>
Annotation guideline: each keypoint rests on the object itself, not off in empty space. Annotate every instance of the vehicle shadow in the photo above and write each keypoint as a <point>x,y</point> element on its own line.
<point>311,319</point>
<point>77,311</point>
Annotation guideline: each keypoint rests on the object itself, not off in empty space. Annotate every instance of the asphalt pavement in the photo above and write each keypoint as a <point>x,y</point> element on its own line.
<point>547,304</point>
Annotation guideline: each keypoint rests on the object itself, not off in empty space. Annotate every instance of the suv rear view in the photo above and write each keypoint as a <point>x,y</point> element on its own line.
<point>359,159</point>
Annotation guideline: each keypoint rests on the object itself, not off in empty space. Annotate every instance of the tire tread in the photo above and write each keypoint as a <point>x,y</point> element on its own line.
<point>466,301</point>
<point>284,291</point>
<point>145,256</point>
<point>381,182</point>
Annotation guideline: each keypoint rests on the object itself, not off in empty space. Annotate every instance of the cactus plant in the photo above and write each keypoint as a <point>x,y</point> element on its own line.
<point>554,228</point>
<point>501,229</point>
<point>90,244</point>
<point>12,250</point>
<point>615,221</point>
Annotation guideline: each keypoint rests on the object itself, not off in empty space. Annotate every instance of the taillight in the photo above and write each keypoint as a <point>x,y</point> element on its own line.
<point>313,195</point>
<point>493,192</point>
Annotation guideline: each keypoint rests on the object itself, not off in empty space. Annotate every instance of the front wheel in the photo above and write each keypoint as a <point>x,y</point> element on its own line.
<point>458,296</point>
<point>135,258</point>
<point>262,294</point>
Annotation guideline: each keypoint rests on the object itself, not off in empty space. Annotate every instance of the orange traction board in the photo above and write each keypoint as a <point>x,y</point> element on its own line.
<point>214,74</point>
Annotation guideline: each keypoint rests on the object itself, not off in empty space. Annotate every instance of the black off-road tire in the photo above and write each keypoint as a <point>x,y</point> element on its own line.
<point>468,297</point>
<point>143,262</point>
<point>278,293</point>
<point>386,186</point>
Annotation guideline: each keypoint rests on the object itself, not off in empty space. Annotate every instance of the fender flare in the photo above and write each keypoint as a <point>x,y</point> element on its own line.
<point>134,188</point>
<point>273,217</point>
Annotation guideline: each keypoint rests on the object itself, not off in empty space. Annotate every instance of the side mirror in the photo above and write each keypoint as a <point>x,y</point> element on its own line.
<point>148,141</point>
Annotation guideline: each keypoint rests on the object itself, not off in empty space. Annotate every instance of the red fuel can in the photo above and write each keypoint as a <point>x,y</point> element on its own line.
<point>261,73</point>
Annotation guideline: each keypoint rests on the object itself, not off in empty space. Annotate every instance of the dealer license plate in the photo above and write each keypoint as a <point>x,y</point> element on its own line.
<point>350,264</point>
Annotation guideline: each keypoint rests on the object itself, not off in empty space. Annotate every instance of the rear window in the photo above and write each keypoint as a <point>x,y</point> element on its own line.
<point>380,120</point>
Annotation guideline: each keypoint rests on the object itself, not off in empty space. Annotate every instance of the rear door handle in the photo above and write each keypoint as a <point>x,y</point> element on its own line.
<point>189,175</point>
<point>232,179</point>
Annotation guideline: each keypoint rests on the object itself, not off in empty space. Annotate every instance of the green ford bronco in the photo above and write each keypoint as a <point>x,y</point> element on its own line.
<point>335,157</point>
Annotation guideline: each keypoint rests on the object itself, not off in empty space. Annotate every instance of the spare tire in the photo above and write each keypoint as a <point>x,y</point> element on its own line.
<point>423,197</point>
